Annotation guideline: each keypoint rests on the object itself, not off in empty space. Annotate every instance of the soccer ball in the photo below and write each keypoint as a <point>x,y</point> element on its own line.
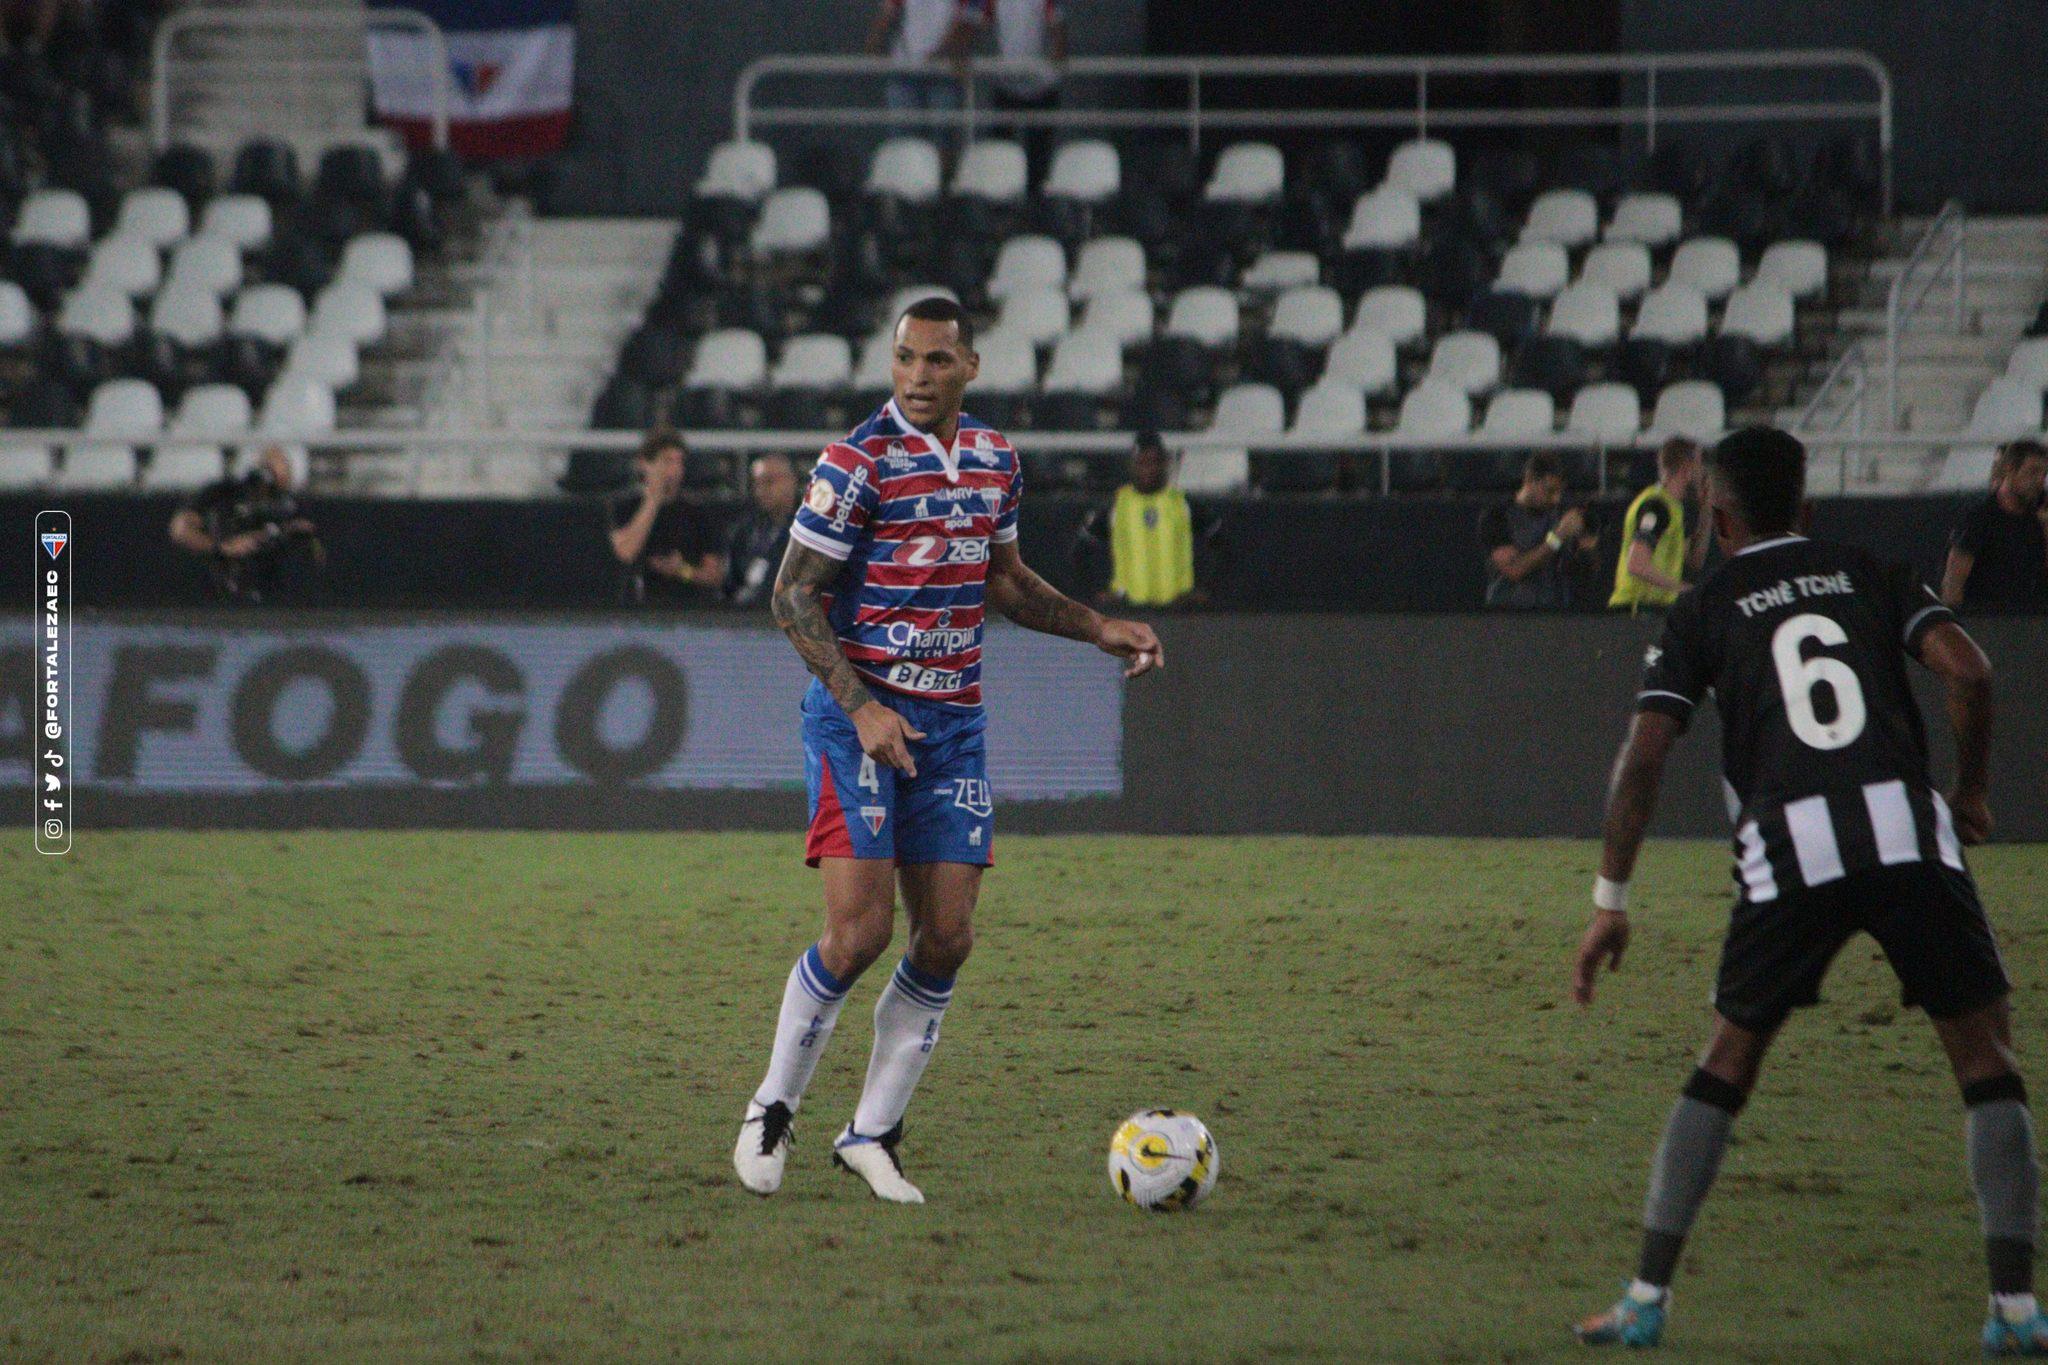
<point>1161,1159</point>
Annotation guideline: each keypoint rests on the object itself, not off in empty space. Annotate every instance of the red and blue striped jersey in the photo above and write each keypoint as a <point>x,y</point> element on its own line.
<point>913,521</point>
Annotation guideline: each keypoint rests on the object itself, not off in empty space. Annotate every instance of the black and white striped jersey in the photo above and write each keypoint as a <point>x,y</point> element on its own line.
<point>1803,646</point>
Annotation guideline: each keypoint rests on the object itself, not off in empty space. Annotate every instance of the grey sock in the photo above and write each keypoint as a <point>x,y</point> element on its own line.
<point>2006,1176</point>
<point>1687,1160</point>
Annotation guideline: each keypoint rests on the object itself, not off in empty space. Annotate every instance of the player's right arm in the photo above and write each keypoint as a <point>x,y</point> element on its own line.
<point>1948,651</point>
<point>884,735</point>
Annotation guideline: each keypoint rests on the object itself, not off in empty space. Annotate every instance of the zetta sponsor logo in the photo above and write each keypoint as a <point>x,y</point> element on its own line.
<point>922,552</point>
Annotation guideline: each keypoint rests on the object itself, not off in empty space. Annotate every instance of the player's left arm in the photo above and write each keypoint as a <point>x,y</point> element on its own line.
<point>1030,601</point>
<point>1631,801</point>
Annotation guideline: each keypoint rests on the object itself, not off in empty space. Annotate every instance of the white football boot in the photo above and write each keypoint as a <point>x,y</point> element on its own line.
<point>873,1159</point>
<point>763,1146</point>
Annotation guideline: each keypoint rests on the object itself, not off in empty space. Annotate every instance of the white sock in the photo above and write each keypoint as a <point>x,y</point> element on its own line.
<point>810,1007</point>
<point>2014,1307</point>
<point>1642,1291</point>
<point>906,1030</point>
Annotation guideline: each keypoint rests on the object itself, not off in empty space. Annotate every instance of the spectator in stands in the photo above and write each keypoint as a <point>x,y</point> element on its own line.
<point>919,33</point>
<point>1153,531</point>
<point>755,551</point>
<point>245,526</point>
<point>1998,554</point>
<point>659,535</point>
<point>1028,31</point>
<point>1532,540</point>
<point>1656,550</point>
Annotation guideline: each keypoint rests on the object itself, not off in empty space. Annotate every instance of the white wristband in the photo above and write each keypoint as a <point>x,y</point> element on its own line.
<point>1610,895</point>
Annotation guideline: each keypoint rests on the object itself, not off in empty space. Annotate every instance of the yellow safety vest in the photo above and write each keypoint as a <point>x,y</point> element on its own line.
<point>1151,546</point>
<point>1651,505</point>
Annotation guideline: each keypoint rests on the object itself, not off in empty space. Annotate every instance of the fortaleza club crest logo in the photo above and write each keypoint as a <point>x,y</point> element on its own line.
<point>54,542</point>
<point>874,816</point>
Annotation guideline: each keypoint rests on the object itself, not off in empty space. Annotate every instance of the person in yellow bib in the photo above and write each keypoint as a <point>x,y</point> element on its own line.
<point>1655,554</point>
<point>1152,531</point>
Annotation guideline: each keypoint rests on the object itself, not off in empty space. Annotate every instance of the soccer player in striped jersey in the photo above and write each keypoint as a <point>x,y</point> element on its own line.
<point>907,532</point>
<point>1804,647</point>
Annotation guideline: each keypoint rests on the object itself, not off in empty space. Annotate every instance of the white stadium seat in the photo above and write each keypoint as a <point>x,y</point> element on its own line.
<point>793,221</point>
<point>382,260</point>
<point>272,312</point>
<point>872,371</point>
<point>1387,218</point>
<point>1025,263</point>
<point>1571,218</point>
<point>1761,311</point>
<point>125,410</point>
<point>2006,410</point>
<point>1009,362</point>
<point>349,309</point>
<point>2028,363</point>
<point>1517,414</point>
<point>1673,313</point>
<point>1606,412</point>
<point>1425,167</point>
<point>905,168</point>
<point>17,315</point>
<point>25,467</point>
<point>1088,361</point>
<point>911,293</point>
<point>97,467</point>
<point>1466,361</point>
<point>1247,173</point>
<point>157,215</point>
<point>1691,407</point>
<point>243,219</point>
<point>1651,219</point>
<point>1312,315</point>
<point>206,262</point>
<point>53,218</point>
<point>1089,171</point>
<point>1395,311</point>
<point>105,315</point>
<point>188,315</point>
<point>1107,265</point>
<point>296,405</point>
<point>324,356</point>
<point>1330,408</point>
<point>1711,265</point>
<point>175,468</point>
<point>1588,313</point>
<point>207,410</point>
<point>1247,411</point>
<point>1801,266</point>
<point>1434,409</point>
<point>738,170</point>
<point>730,358</point>
<point>993,169</point>
<point>127,264</point>
<point>1040,316</point>
<point>1362,359</point>
<point>1535,268</point>
<point>1206,314</point>
<point>1623,267</point>
<point>1125,314</point>
<point>1274,271</point>
<point>816,360</point>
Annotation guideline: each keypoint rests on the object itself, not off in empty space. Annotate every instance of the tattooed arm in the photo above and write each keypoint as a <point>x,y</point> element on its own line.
<point>1030,601</point>
<point>884,734</point>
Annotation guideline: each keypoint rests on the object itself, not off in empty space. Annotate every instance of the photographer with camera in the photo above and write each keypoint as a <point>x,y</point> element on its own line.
<point>1531,540</point>
<point>1998,555</point>
<point>245,526</point>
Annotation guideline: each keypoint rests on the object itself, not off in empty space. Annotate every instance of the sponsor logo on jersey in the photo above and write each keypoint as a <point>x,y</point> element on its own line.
<point>1651,655</point>
<point>914,678</point>
<point>921,552</point>
<point>971,794</point>
<point>896,457</point>
<point>844,508</point>
<point>930,643</point>
<point>974,837</point>
<point>872,817</point>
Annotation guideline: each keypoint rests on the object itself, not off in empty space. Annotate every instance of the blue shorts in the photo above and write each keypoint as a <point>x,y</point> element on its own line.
<point>864,809</point>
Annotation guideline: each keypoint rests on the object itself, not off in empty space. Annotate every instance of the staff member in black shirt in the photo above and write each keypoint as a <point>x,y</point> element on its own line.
<point>659,535</point>
<point>754,552</point>
<point>244,525</point>
<point>1998,556</point>
<point>1531,539</point>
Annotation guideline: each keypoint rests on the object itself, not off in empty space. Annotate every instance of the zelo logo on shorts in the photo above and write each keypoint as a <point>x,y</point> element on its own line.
<point>971,795</point>
<point>51,731</point>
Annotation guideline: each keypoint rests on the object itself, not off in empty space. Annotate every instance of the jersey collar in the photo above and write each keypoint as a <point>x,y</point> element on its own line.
<point>949,456</point>
<point>1768,544</point>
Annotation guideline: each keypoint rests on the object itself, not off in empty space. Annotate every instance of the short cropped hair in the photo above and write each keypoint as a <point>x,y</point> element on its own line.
<point>939,308</point>
<point>1149,440</point>
<point>1765,471</point>
<point>1543,464</point>
<point>1676,452</point>
<point>2013,454</point>
<point>659,439</point>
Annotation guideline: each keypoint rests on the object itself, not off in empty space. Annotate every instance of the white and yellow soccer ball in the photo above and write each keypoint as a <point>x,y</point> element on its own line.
<point>1163,1159</point>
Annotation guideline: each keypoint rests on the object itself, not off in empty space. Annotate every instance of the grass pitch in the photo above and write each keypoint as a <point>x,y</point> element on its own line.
<point>456,1096</point>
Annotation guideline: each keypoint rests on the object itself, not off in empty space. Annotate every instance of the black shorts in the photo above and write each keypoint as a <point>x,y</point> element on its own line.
<point>1925,916</point>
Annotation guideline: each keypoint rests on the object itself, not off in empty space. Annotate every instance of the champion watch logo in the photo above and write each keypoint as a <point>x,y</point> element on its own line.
<point>54,542</point>
<point>874,816</point>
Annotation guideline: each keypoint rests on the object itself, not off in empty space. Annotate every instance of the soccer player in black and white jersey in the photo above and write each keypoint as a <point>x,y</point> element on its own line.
<point>1804,647</point>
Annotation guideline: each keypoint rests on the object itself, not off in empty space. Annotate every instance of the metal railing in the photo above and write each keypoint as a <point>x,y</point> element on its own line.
<point>1941,248</point>
<point>1645,108</point>
<point>297,26</point>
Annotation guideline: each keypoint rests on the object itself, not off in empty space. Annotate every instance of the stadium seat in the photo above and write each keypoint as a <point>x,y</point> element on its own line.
<point>243,219</point>
<point>211,410</point>
<point>1651,219</point>
<point>1431,410</point>
<point>905,168</point>
<point>814,361</point>
<point>53,217</point>
<point>992,169</point>
<point>1311,315</point>
<point>1041,316</point>
<point>1009,363</point>
<point>209,263</point>
<point>1327,410</point>
<point>900,301</point>
<point>157,215</point>
<point>272,312</point>
<point>1424,167</point>
<point>1711,265</point>
<point>1517,414</point>
<point>1206,315</point>
<point>1571,218</point>
<point>183,467</point>
<point>1089,171</point>
<point>1245,411</point>
<point>24,467</point>
<point>794,221</point>
<point>125,410</point>
<point>296,406</point>
<point>1395,311</point>
<point>1466,361</point>
<point>1611,413</point>
<point>1107,265</point>
<point>1691,408</point>
<point>17,317</point>
<point>104,315</point>
<point>1588,313</point>
<point>730,358</point>
<point>267,169</point>
<point>1127,315</point>
<point>1760,311</point>
<point>2006,410</point>
<point>1800,266</point>
<point>1028,264</point>
<point>1247,173</point>
<point>2028,363</point>
<point>1087,360</point>
<point>96,468</point>
<point>1506,315</point>
<point>326,357</point>
<point>1674,313</point>
<point>1330,408</point>
<point>189,315</point>
<point>738,170</point>
<point>187,169</point>
<point>1623,267</point>
<point>1276,271</point>
<point>350,309</point>
<point>1362,359</point>
<point>1389,217</point>
<point>871,372</point>
<point>381,260</point>
<point>1538,269</point>
<point>124,264</point>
